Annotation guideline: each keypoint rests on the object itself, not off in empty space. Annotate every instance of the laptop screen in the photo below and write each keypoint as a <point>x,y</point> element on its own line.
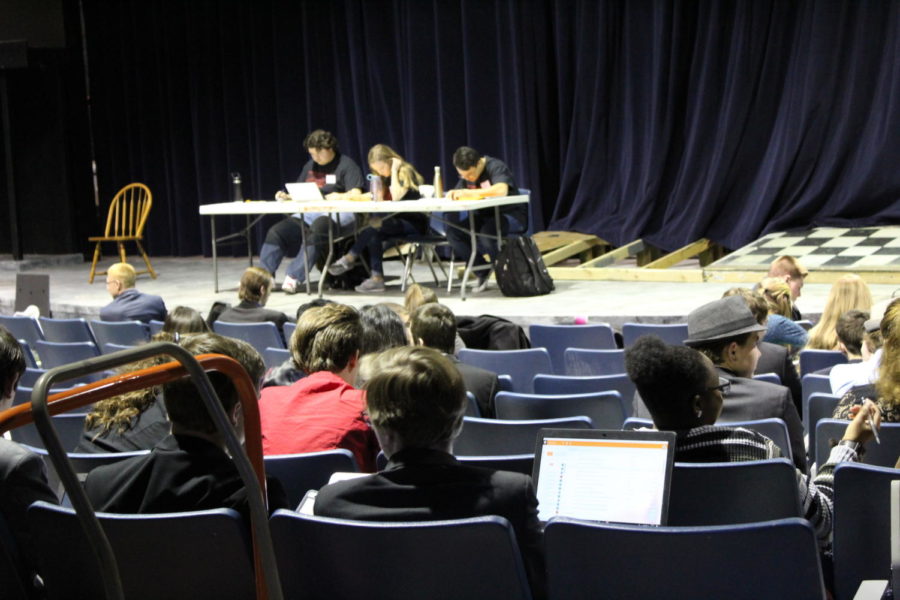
<point>304,192</point>
<point>597,475</point>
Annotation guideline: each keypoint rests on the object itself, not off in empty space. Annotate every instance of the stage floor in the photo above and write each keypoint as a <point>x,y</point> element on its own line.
<point>188,281</point>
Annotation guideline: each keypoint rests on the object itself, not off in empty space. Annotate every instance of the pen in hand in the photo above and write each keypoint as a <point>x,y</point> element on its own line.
<point>871,423</point>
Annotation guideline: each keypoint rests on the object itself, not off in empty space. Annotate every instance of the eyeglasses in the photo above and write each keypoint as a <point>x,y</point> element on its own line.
<point>724,386</point>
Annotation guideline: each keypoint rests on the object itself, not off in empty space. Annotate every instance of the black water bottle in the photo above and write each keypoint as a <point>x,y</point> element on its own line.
<point>236,193</point>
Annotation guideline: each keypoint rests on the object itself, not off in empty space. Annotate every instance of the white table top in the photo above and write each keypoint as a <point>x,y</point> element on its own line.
<point>261,207</point>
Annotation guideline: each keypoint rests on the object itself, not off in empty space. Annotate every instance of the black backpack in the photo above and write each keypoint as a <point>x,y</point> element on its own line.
<point>520,270</point>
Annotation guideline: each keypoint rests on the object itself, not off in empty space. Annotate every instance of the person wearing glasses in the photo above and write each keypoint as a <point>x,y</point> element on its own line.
<point>692,408</point>
<point>727,333</point>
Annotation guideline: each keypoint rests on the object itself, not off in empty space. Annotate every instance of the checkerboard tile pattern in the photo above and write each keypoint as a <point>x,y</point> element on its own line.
<point>823,248</point>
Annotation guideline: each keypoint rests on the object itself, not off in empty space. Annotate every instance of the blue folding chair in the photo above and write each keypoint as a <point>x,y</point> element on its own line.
<point>66,330</point>
<point>683,563</point>
<point>884,454</point>
<point>774,429</point>
<point>121,333</point>
<point>56,354</point>
<point>520,365</point>
<point>472,409</point>
<point>768,378</point>
<point>495,437</point>
<point>155,326</point>
<point>320,557</point>
<point>275,356</point>
<point>729,493</point>
<point>23,328</point>
<point>594,362</point>
<point>203,554</point>
<point>300,473</point>
<point>862,525</point>
<point>604,409</point>
<point>818,407</point>
<point>557,338</point>
<point>814,360</point>
<point>69,427</point>
<point>259,335</point>
<point>517,463</point>
<point>30,360</point>
<point>288,328</point>
<point>564,384</point>
<point>674,334</point>
<point>812,384</point>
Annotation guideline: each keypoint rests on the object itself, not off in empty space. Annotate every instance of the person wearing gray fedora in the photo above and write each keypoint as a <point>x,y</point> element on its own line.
<point>727,332</point>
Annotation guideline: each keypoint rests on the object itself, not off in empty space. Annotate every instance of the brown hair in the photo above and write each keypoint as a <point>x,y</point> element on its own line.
<point>416,296</point>
<point>252,281</point>
<point>888,383</point>
<point>326,338</point>
<point>435,325</point>
<point>322,140</point>
<point>755,302</point>
<point>407,176</point>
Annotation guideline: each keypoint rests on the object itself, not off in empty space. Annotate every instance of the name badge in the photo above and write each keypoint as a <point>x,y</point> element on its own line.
<point>330,179</point>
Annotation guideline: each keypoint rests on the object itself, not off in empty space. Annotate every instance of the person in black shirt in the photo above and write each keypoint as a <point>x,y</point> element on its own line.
<point>338,178</point>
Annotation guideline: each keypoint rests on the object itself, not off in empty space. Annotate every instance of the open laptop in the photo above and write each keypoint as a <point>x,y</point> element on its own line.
<point>599,475</point>
<point>304,192</point>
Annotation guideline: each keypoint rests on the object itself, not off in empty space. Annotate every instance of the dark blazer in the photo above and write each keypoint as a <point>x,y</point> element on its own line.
<point>146,431</point>
<point>776,359</point>
<point>429,485</point>
<point>481,382</point>
<point>182,473</point>
<point>251,312</point>
<point>23,480</point>
<point>132,305</point>
<point>749,400</point>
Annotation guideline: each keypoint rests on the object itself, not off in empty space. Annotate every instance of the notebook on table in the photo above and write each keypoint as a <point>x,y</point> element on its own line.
<point>599,475</point>
<point>304,192</point>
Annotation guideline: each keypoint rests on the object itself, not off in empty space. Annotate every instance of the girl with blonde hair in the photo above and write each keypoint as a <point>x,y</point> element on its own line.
<point>399,181</point>
<point>848,293</point>
<point>780,329</point>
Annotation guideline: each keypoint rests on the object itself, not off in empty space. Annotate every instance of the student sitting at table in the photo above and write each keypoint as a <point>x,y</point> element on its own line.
<point>482,177</point>
<point>399,181</point>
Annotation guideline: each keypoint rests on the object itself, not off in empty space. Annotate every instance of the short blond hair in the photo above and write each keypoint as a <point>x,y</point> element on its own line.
<point>848,293</point>
<point>123,273</point>
<point>777,294</point>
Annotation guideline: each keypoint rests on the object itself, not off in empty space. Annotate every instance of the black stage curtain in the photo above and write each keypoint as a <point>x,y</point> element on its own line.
<point>669,121</point>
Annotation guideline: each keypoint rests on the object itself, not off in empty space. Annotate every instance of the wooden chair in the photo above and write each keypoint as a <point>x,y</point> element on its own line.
<point>125,222</point>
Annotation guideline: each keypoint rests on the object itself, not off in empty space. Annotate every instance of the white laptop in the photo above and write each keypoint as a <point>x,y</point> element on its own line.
<point>304,192</point>
<point>598,475</point>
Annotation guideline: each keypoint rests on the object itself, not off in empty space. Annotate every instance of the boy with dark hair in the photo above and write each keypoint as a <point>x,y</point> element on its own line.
<point>23,476</point>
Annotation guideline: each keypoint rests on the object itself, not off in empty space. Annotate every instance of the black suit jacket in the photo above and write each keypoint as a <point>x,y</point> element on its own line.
<point>251,312</point>
<point>749,400</point>
<point>23,480</point>
<point>481,382</point>
<point>428,485</point>
<point>776,359</point>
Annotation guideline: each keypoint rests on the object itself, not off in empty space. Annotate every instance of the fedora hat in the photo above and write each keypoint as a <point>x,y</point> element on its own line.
<point>719,320</point>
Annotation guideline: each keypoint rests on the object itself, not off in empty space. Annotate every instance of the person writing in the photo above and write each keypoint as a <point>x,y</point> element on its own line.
<point>399,181</point>
<point>338,178</point>
<point>482,177</point>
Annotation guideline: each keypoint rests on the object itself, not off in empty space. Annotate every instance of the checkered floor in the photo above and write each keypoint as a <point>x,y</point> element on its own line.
<point>823,248</point>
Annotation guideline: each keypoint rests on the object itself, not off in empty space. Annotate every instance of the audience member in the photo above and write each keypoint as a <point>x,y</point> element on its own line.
<point>338,178</point>
<point>726,332</point>
<point>382,328</point>
<point>885,391</point>
<point>792,272</point>
<point>137,420</point>
<point>848,293</point>
<point>253,292</point>
<point>772,357</point>
<point>692,407</point>
<point>780,329</point>
<point>482,177</point>
<point>416,296</point>
<point>399,181</point>
<point>844,377</point>
<point>323,410</point>
<point>851,330</point>
<point>416,400</point>
<point>434,325</point>
<point>128,303</point>
<point>23,476</point>
<point>189,469</point>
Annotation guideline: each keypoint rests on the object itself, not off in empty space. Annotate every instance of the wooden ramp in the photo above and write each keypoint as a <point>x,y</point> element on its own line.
<point>829,253</point>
